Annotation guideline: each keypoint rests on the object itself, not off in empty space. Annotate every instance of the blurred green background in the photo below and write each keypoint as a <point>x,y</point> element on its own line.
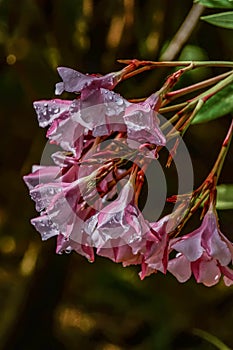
<point>64,302</point>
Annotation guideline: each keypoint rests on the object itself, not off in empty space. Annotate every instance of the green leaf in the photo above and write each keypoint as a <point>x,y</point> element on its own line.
<point>212,339</point>
<point>217,106</point>
<point>227,4</point>
<point>223,19</point>
<point>224,197</point>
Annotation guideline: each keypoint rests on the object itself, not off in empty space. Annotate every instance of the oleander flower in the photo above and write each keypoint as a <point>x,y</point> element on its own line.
<point>142,123</point>
<point>58,198</point>
<point>67,196</point>
<point>155,257</point>
<point>73,195</point>
<point>73,81</point>
<point>118,231</point>
<point>97,112</point>
<point>205,252</point>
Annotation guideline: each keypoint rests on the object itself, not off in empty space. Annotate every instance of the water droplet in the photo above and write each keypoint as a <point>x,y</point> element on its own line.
<point>56,110</point>
<point>135,237</point>
<point>52,191</point>
<point>119,102</point>
<point>68,250</point>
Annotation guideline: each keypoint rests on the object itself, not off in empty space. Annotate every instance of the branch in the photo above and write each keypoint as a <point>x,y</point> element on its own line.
<point>183,33</point>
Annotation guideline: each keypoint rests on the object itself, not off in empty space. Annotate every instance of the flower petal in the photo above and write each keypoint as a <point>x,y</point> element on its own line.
<point>206,271</point>
<point>41,174</point>
<point>212,240</point>
<point>180,268</point>
<point>189,245</point>
<point>49,110</point>
<point>74,81</point>
<point>46,227</point>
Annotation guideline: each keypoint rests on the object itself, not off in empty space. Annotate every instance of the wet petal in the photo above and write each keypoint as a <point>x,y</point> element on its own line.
<point>142,124</point>
<point>43,194</point>
<point>74,81</point>
<point>68,134</point>
<point>46,227</point>
<point>47,111</point>
<point>67,245</point>
<point>180,268</point>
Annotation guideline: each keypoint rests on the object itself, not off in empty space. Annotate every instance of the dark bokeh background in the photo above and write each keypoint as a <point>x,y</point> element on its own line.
<point>64,302</point>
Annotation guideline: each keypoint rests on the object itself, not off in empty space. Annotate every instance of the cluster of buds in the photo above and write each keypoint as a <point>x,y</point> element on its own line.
<point>89,198</point>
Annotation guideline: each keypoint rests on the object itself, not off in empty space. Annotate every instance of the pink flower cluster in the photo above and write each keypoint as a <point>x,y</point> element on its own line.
<point>89,198</point>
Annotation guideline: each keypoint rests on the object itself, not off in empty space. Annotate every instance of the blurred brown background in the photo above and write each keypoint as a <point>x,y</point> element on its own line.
<point>64,302</point>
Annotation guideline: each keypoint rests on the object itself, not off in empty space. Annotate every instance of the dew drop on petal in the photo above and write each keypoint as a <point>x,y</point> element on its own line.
<point>68,250</point>
<point>47,111</point>
<point>56,110</point>
<point>119,102</point>
<point>135,237</point>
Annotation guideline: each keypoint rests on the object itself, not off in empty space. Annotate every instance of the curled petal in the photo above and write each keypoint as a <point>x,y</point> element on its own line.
<point>74,81</point>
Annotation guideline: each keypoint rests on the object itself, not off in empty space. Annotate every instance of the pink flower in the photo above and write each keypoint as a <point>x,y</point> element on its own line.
<point>74,81</point>
<point>118,230</point>
<point>157,241</point>
<point>205,252</point>
<point>156,255</point>
<point>143,124</point>
<point>71,196</point>
<point>98,112</point>
<point>75,123</point>
<point>57,193</point>
<point>66,198</point>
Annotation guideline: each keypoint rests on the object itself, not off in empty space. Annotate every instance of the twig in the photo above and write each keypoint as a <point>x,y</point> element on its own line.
<point>183,33</point>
